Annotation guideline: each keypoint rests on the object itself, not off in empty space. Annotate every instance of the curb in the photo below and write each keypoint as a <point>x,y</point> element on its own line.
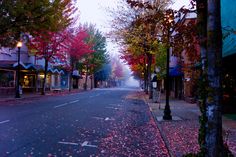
<point>159,128</point>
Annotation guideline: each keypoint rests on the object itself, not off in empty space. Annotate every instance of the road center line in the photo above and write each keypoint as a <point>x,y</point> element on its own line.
<point>5,121</point>
<point>67,103</point>
<point>69,143</point>
<point>61,105</point>
<point>73,101</point>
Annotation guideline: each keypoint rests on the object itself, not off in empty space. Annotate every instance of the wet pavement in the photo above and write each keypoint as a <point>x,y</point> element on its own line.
<point>115,122</point>
<point>103,122</point>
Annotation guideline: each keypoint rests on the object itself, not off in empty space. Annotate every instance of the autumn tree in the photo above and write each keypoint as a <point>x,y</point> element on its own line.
<point>136,36</point>
<point>96,60</point>
<point>213,138</point>
<point>31,16</point>
<point>103,74</point>
<point>77,48</point>
<point>48,46</point>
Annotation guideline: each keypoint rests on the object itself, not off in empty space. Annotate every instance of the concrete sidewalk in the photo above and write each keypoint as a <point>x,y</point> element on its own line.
<point>181,134</point>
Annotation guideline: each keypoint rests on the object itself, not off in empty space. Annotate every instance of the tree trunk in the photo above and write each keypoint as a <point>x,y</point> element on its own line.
<point>86,78</point>
<point>45,77</point>
<point>214,140</point>
<point>91,87</point>
<point>202,37</point>
<point>149,56</point>
<point>70,81</point>
<point>145,77</point>
<point>70,74</point>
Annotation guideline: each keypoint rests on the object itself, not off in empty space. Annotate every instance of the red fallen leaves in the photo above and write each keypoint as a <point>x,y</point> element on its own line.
<point>231,141</point>
<point>182,136</point>
<point>131,138</point>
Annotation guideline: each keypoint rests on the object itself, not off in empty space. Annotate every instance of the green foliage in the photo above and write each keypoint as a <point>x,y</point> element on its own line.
<point>29,16</point>
<point>98,42</point>
<point>161,60</point>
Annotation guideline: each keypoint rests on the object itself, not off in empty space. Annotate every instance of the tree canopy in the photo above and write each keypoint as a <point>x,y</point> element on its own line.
<point>29,16</point>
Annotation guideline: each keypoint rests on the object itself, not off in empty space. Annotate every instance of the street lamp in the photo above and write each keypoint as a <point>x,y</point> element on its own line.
<point>167,111</point>
<point>19,45</point>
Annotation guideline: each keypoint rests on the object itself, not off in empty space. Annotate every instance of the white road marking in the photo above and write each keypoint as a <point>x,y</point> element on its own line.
<point>115,108</point>
<point>69,143</point>
<point>5,121</point>
<point>107,118</point>
<point>86,144</point>
<point>61,105</point>
<point>99,118</point>
<point>73,101</point>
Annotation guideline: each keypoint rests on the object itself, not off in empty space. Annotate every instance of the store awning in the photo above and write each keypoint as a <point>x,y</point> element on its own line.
<point>228,22</point>
<point>175,71</point>
<point>25,66</point>
<point>55,70</point>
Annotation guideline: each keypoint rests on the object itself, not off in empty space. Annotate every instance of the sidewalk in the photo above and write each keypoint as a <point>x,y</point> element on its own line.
<point>181,134</point>
<point>29,96</point>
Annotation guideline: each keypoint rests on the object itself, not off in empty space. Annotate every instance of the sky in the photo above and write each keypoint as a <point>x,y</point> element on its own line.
<point>94,11</point>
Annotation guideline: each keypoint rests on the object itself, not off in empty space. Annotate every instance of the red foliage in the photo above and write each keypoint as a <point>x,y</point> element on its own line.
<point>54,46</point>
<point>76,45</point>
<point>48,45</point>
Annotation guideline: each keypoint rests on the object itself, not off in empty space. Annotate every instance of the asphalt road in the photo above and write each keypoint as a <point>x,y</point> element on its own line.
<point>69,125</point>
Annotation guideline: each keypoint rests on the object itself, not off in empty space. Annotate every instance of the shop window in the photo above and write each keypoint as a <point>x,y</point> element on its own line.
<point>29,81</point>
<point>6,78</point>
<point>56,80</point>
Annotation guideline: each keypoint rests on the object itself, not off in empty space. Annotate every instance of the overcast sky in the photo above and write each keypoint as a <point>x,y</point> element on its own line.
<point>94,11</point>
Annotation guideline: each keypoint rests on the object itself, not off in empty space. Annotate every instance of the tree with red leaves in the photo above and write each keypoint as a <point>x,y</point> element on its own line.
<point>48,46</point>
<point>77,47</point>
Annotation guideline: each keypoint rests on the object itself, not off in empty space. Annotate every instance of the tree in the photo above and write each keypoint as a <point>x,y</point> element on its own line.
<point>214,139</point>
<point>30,16</point>
<point>77,48</point>
<point>48,46</point>
<point>103,74</point>
<point>202,90</point>
<point>96,60</point>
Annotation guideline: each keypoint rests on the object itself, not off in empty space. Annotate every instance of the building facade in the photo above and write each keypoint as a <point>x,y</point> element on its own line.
<point>31,72</point>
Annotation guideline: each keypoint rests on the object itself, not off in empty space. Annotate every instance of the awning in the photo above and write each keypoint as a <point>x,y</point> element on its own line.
<point>175,71</point>
<point>228,22</point>
<point>55,70</point>
<point>25,66</point>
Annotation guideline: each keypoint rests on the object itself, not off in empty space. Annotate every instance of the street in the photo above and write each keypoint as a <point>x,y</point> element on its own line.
<point>101,122</point>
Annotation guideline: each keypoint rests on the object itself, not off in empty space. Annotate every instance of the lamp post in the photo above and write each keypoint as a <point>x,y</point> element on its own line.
<point>167,111</point>
<point>19,45</point>
<point>154,85</point>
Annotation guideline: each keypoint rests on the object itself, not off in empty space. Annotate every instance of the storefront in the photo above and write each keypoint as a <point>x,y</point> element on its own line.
<point>228,20</point>
<point>28,81</point>
<point>27,77</point>
<point>7,81</point>
<point>40,78</point>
